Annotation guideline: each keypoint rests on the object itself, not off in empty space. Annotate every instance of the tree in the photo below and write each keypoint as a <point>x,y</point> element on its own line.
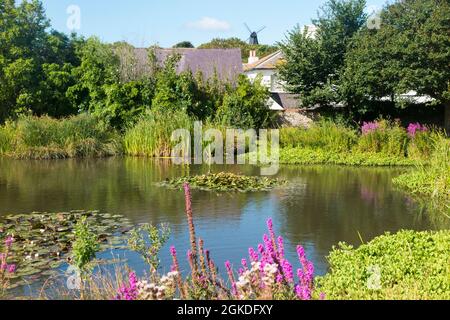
<point>35,65</point>
<point>313,65</point>
<point>410,51</point>
<point>245,106</point>
<point>232,43</point>
<point>184,44</point>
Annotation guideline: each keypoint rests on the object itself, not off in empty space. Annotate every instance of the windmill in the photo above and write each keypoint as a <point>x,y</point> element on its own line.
<point>253,40</point>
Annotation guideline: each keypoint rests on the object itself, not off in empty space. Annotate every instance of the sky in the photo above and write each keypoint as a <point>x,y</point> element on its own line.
<point>167,22</point>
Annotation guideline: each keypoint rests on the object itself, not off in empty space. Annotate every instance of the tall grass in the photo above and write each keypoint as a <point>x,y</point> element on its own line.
<point>322,135</point>
<point>47,138</point>
<point>382,143</point>
<point>151,136</point>
<point>433,179</point>
<point>389,138</point>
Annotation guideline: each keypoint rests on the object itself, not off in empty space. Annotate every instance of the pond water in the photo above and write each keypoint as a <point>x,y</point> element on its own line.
<point>320,206</point>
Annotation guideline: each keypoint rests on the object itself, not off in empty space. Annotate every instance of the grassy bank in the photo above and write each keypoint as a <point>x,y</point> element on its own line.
<point>47,138</point>
<point>381,143</point>
<point>431,181</point>
<point>405,266</point>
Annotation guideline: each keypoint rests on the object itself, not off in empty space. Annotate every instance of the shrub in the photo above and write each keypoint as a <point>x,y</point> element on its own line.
<point>245,106</point>
<point>411,265</point>
<point>383,137</point>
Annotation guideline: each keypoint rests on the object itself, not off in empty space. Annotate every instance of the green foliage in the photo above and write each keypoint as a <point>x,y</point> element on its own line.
<point>232,43</point>
<point>409,52</point>
<point>432,180</point>
<point>313,65</point>
<point>225,182</point>
<point>85,245</point>
<point>148,240</point>
<point>308,156</point>
<point>47,138</point>
<point>35,65</point>
<point>325,134</point>
<point>390,139</point>
<point>151,136</point>
<point>184,44</point>
<point>412,265</point>
<point>246,106</point>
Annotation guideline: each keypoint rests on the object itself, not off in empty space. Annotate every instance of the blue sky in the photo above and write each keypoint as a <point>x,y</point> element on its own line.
<point>166,22</point>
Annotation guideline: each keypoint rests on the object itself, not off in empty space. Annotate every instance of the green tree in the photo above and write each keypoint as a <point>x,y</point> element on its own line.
<point>313,64</point>
<point>410,51</point>
<point>232,43</point>
<point>35,65</point>
<point>184,44</point>
<point>245,106</point>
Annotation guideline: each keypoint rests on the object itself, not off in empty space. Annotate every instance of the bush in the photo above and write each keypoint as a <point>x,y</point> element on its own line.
<point>384,137</point>
<point>245,107</point>
<point>47,138</point>
<point>412,265</point>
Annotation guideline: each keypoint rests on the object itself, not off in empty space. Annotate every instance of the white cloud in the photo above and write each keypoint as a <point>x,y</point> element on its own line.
<point>210,24</point>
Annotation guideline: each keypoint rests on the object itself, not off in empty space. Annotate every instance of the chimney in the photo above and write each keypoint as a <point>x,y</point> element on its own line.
<point>252,58</point>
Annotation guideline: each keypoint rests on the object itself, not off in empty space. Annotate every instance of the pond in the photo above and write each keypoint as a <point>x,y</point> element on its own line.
<point>319,207</point>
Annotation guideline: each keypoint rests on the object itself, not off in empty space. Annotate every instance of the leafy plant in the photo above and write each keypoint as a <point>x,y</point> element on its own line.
<point>84,247</point>
<point>148,240</point>
<point>407,265</point>
<point>225,182</point>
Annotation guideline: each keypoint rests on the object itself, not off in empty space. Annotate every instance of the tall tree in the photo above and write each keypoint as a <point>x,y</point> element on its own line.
<point>314,63</point>
<point>34,63</point>
<point>410,51</point>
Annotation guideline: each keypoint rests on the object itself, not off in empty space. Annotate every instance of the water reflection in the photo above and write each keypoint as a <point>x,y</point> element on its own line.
<point>320,207</point>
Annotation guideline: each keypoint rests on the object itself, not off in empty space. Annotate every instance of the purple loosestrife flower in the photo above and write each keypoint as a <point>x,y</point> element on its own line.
<point>231,277</point>
<point>9,241</point>
<point>129,291</point>
<point>279,278</point>
<point>244,264</point>
<point>280,248</point>
<point>269,249</point>
<point>287,271</point>
<point>253,255</point>
<point>369,127</point>
<point>12,268</point>
<point>322,296</point>
<point>414,128</point>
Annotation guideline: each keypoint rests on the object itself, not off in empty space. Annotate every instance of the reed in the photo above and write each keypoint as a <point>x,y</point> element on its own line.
<point>151,136</point>
<point>47,138</point>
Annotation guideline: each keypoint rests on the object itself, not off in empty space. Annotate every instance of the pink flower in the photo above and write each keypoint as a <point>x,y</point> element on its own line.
<point>414,128</point>
<point>12,268</point>
<point>9,241</point>
<point>369,127</point>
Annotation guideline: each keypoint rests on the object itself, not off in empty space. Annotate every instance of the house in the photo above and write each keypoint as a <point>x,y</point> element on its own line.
<point>226,63</point>
<point>287,104</point>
